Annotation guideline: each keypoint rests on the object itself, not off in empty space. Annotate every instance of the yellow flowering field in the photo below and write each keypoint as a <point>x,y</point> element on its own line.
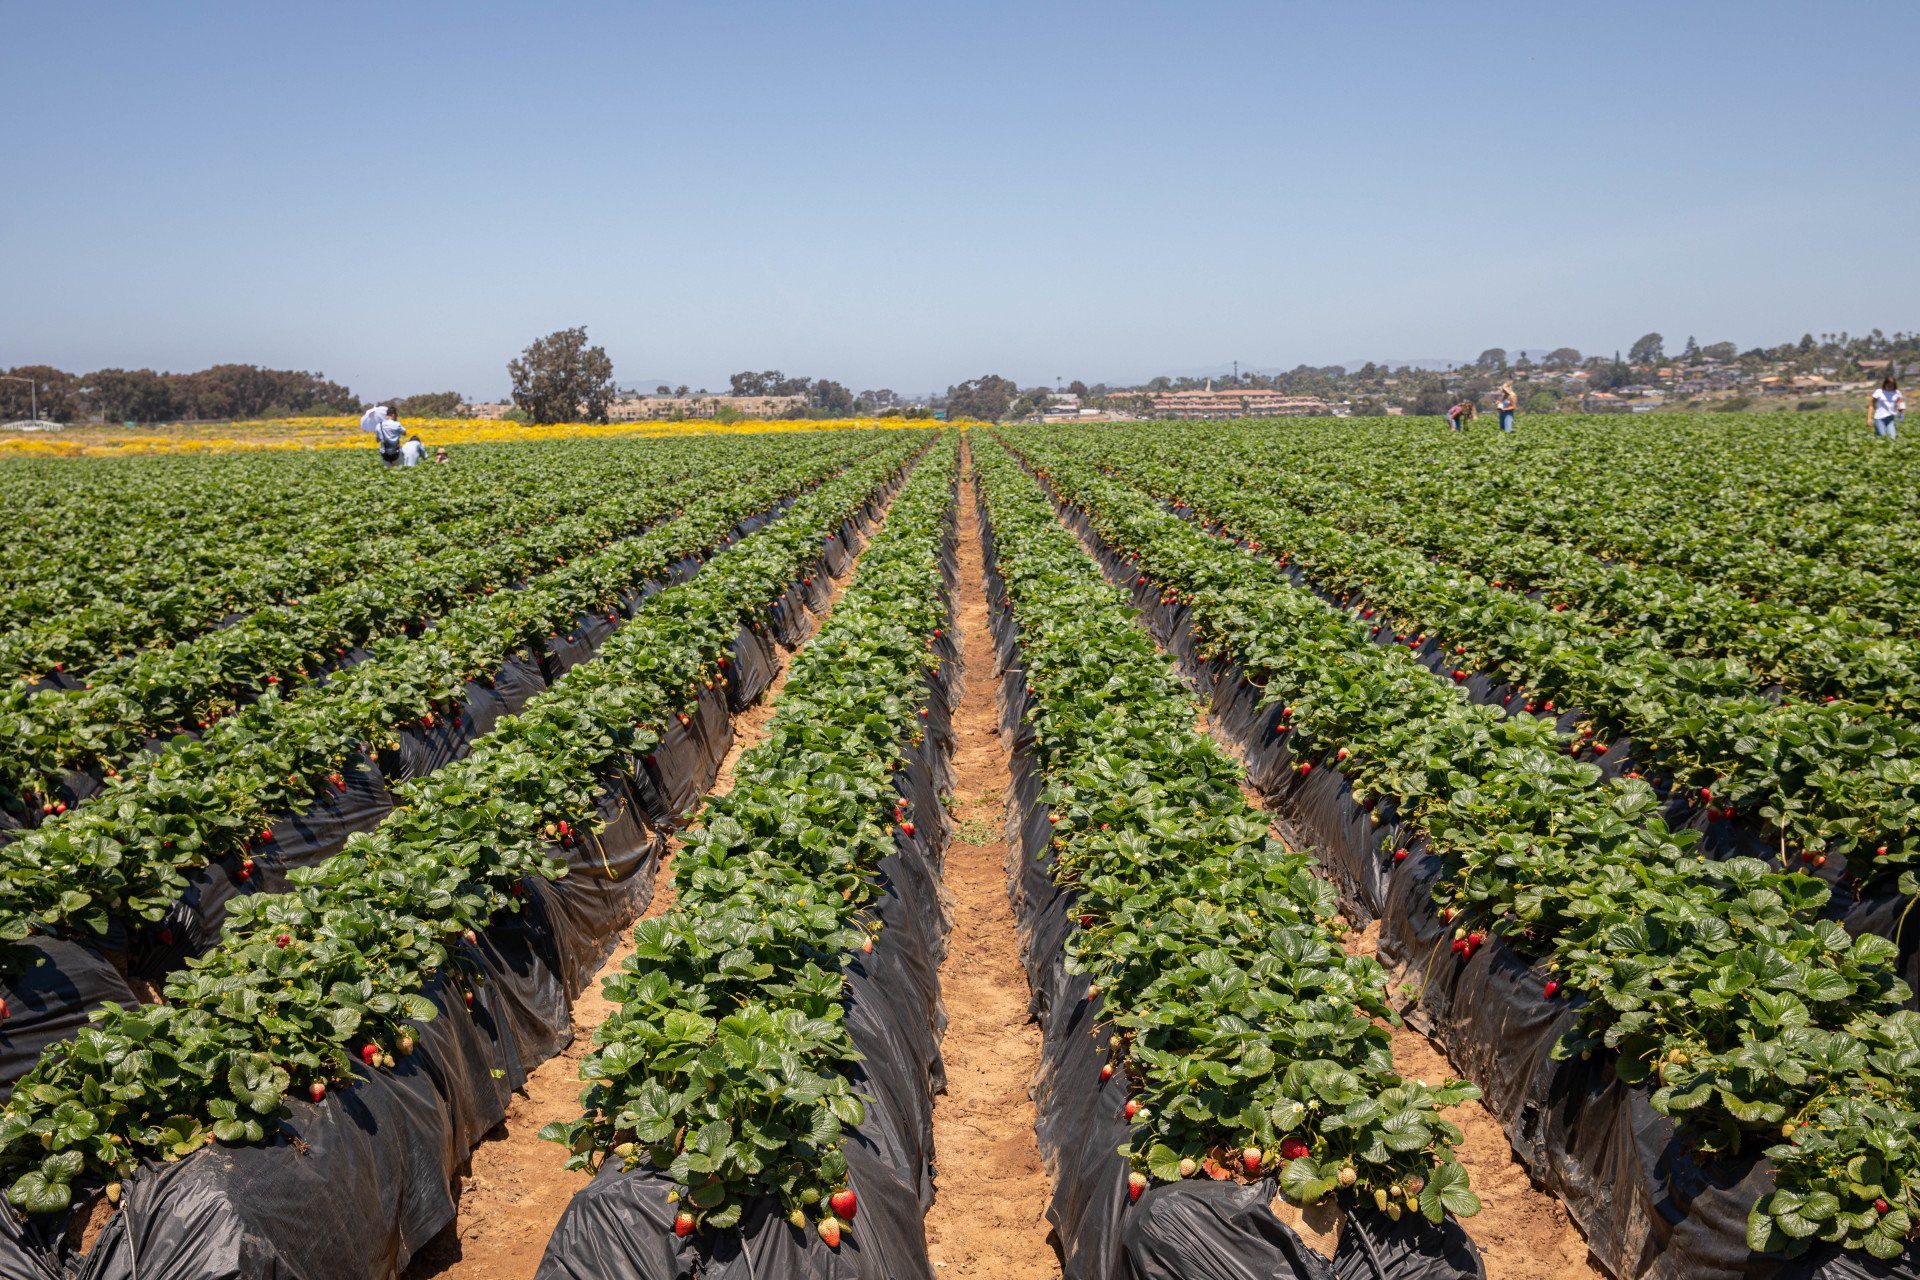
<point>345,433</point>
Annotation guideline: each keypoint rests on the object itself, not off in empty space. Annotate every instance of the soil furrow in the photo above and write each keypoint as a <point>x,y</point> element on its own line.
<point>988,1220</point>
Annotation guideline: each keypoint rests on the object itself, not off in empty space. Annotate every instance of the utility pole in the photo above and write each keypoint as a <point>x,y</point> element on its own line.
<point>33,392</point>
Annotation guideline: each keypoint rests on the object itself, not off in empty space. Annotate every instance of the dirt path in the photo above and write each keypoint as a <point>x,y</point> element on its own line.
<point>1522,1232</point>
<point>988,1220</point>
<point>517,1185</point>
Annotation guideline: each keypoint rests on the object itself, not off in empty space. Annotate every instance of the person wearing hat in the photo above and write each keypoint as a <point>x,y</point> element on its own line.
<point>1886,408</point>
<point>1506,403</point>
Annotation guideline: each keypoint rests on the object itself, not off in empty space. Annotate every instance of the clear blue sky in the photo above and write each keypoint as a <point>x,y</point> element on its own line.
<point>905,195</point>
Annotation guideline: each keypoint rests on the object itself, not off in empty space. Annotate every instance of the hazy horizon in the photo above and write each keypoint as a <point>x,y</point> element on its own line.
<point>908,197</point>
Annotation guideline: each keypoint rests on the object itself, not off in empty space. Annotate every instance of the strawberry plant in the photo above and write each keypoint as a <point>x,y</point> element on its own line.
<point>303,982</point>
<point>1247,1040</point>
<point>725,1064</point>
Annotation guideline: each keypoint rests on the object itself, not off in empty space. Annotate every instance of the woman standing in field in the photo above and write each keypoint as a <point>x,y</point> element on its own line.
<point>1460,413</point>
<point>1887,408</point>
<point>1506,403</point>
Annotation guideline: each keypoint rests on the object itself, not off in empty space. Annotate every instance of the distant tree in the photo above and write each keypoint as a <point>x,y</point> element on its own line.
<point>1160,384</point>
<point>830,397</point>
<point>433,404</point>
<point>248,391</point>
<point>1608,374</point>
<point>132,395</point>
<point>663,390</point>
<point>682,391</point>
<point>1369,407</point>
<point>1718,351</point>
<point>55,392</point>
<point>1031,403</point>
<point>1493,358</point>
<point>1079,388</point>
<point>1691,352</point>
<point>749,383</point>
<point>1806,343</point>
<point>559,378</point>
<point>1562,358</point>
<point>1648,350</point>
<point>986,398</point>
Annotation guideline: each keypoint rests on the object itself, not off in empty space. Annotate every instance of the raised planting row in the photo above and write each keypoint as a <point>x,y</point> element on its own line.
<point>1716,985</point>
<point>1810,653</point>
<point>769,1068</point>
<point>1245,1042</point>
<point>50,735</point>
<point>277,543</point>
<point>1815,781</point>
<point>126,857</point>
<point>307,984</point>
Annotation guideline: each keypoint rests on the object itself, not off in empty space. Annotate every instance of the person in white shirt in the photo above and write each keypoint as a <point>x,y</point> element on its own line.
<point>389,433</point>
<point>412,453</point>
<point>1887,408</point>
<point>370,420</point>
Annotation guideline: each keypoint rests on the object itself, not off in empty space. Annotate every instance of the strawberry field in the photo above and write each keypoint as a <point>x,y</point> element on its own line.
<point>1586,758</point>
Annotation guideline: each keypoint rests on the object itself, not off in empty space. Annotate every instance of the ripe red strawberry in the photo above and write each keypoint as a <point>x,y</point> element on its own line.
<point>1342,754</point>
<point>1250,1159</point>
<point>1132,1108</point>
<point>843,1203</point>
<point>1293,1148</point>
<point>369,1053</point>
<point>830,1227</point>
<point>1706,793</point>
<point>1136,1184</point>
<point>317,1091</point>
<point>683,1223</point>
<point>1551,989</point>
<point>1400,855</point>
<point>906,828</point>
<point>1880,1206</point>
<point>1881,852</point>
<point>1547,705</point>
<point>1106,1072</point>
<point>280,940</point>
<point>1459,674</point>
<point>5,1012</point>
<point>1306,767</point>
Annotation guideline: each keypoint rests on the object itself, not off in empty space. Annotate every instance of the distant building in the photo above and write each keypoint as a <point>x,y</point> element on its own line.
<point>652,408</point>
<point>1234,403</point>
<point>487,409</point>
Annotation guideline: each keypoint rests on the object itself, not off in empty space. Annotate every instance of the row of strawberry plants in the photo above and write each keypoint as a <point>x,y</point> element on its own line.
<point>1811,653</point>
<point>1247,1040</point>
<point>99,512</point>
<point>1717,984</point>
<point>126,855</point>
<point>301,978</point>
<point>189,686</point>
<point>1827,778</point>
<point>186,583</point>
<point>1822,519</point>
<point>725,1063</point>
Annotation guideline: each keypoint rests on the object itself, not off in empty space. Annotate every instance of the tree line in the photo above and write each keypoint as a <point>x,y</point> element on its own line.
<point>142,395</point>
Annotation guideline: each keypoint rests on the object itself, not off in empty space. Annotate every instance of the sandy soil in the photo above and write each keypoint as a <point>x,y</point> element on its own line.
<point>989,1217</point>
<point>517,1186</point>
